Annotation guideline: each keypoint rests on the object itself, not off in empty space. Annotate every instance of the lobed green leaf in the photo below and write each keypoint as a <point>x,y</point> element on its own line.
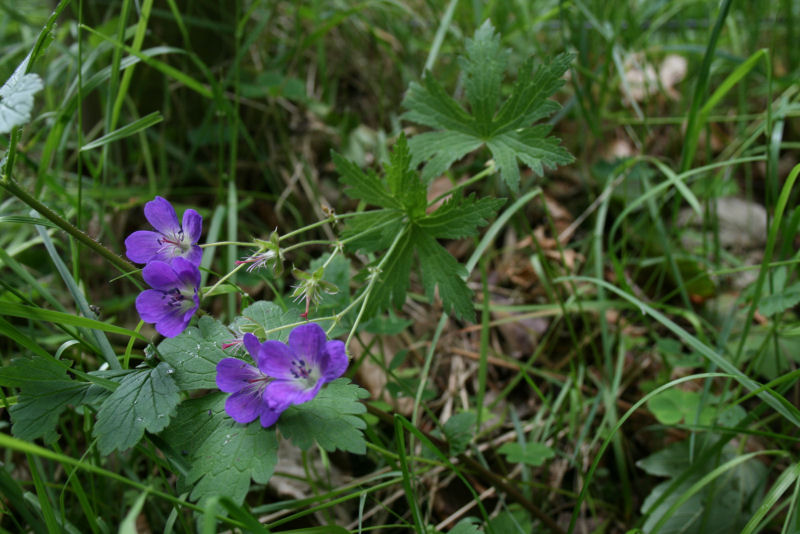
<point>441,270</point>
<point>506,131</point>
<point>144,400</point>
<point>194,354</point>
<point>45,393</point>
<point>331,419</point>
<point>223,455</point>
<point>460,217</point>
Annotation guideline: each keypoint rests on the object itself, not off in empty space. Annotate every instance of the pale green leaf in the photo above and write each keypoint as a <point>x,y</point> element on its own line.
<point>145,400</point>
<point>468,525</point>
<point>389,291</point>
<point>16,98</point>
<point>45,393</point>
<point>194,354</point>
<point>363,186</point>
<point>484,66</point>
<point>505,129</point>
<point>781,301</point>
<point>223,455</point>
<point>459,431</point>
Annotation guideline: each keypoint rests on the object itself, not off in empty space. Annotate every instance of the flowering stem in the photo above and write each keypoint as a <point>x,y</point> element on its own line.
<point>299,231</point>
<point>232,243</point>
<point>126,267</point>
<point>306,243</point>
<point>332,218</point>
<point>372,280</point>
<point>215,286</point>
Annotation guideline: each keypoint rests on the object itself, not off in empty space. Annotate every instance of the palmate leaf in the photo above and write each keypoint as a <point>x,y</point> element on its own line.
<point>441,270</point>
<point>223,455</point>
<point>506,131</point>
<point>144,400</point>
<point>460,217</point>
<point>408,229</point>
<point>194,354</point>
<point>331,419</point>
<point>45,393</point>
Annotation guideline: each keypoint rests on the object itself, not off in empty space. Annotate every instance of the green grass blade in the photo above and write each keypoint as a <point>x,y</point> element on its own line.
<point>784,481</point>
<point>707,479</point>
<point>80,300</point>
<point>128,524</point>
<point>772,398</point>
<point>41,314</point>
<point>166,70</point>
<point>408,486</point>
<point>127,130</point>
<point>701,87</point>
<point>43,496</point>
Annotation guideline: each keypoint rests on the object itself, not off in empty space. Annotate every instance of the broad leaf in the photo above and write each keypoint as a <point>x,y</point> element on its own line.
<point>45,392</point>
<point>144,400</point>
<point>506,131</point>
<point>534,454</point>
<point>389,291</point>
<point>223,455</point>
<point>721,507</point>
<point>780,301</point>
<point>408,228</point>
<point>331,419</point>
<point>194,354</point>
<point>372,231</point>
<point>363,186</point>
<point>263,319</point>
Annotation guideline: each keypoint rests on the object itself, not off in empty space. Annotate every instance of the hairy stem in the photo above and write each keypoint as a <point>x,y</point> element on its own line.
<point>120,263</point>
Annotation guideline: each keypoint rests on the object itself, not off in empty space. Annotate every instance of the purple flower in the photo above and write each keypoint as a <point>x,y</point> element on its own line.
<point>170,240</point>
<point>173,299</point>
<point>286,374</point>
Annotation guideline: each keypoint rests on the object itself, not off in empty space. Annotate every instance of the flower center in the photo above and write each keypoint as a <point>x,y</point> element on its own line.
<point>303,372</point>
<point>179,300</point>
<point>177,241</point>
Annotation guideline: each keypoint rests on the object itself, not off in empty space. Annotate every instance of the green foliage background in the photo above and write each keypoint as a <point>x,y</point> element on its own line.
<point>588,359</point>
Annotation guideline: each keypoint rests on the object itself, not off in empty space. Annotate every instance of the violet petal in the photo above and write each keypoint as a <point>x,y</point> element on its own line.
<point>172,324</point>
<point>307,342</point>
<point>334,361</point>
<point>244,406</point>
<point>188,273</point>
<point>194,255</point>
<point>285,392</point>
<point>234,375</point>
<point>151,305</point>
<point>192,225</point>
<point>275,359</point>
<point>160,275</point>
<point>252,345</point>
<point>160,213</point>
<point>269,416</point>
<point>141,246</point>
